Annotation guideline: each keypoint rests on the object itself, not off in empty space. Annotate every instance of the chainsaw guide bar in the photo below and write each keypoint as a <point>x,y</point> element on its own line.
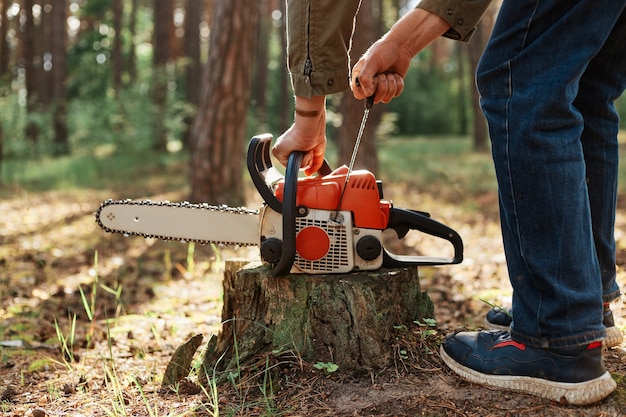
<point>189,222</point>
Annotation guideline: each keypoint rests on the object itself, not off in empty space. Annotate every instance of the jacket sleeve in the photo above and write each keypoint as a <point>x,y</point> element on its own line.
<point>462,15</point>
<point>318,41</point>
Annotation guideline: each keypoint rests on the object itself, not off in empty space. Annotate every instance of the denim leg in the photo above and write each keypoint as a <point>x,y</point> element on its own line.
<point>539,57</point>
<point>601,84</point>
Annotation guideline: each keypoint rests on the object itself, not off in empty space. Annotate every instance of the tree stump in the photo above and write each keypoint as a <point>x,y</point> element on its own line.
<point>345,319</point>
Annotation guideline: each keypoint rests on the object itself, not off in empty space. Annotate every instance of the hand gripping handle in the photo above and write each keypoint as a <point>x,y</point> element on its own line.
<point>264,176</point>
<point>403,220</point>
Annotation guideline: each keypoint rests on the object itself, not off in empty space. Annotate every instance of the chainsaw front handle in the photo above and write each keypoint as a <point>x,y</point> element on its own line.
<point>403,220</point>
<point>265,176</point>
<point>288,253</point>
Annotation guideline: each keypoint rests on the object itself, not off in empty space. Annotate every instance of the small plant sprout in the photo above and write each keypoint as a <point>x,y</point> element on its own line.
<point>66,342</point>
<point>327,367</point>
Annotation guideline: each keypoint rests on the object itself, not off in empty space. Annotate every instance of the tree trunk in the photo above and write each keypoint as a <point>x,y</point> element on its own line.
<point>347,320</point>
<point>368,30</point>
<point>163,12</point>
<point>45,44</point>
<point>4,44</point>
<point>193,17</point>
<point>118,11</point>
<point>219,131</point>
<point>464,88</point>
<point>132,32</point>
<point>59,75</point>
<point>28,50</point>
<point>284,109</point>
<point>261,63</point>
<point>475,50</point>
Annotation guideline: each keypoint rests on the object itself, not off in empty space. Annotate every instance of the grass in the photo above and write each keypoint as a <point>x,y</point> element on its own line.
<point>446,164</point>
<point>130,170</point>
<point>449,165</point>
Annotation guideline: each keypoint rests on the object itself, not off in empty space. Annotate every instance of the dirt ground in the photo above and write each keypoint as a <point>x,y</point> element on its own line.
<point>89,322</point>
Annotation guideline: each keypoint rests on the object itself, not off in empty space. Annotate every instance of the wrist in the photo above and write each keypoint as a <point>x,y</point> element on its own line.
<point>310,107</point>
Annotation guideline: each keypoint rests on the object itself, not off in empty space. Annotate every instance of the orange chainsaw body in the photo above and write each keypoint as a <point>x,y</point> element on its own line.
<point>332,222</point>
<point>362,196</point>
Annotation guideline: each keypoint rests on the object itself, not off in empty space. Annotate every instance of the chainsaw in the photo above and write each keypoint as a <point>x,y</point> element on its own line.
<point>329,223</point>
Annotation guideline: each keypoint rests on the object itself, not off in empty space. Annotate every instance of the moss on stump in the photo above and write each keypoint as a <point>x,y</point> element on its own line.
<point>345,319</point>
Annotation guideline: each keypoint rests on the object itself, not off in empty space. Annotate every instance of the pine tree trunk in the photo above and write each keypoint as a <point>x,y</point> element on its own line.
<point>5,50</point>
<point>344,319</point>
<point>163,10</point>
<point>193,70</point>
<point>285,111</point>
<point>28,51</point>
<point>219,131</point>
<point>59,75</point>
<point>132,32</point>
<point>118,11</point>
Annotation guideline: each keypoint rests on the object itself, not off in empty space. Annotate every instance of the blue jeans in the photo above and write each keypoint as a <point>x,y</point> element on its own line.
<point>548,80</point>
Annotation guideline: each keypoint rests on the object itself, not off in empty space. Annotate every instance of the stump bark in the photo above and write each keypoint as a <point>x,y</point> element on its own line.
<point>345,319</point>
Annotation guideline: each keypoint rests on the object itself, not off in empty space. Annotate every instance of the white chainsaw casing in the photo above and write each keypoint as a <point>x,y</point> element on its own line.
<point>322,245</point>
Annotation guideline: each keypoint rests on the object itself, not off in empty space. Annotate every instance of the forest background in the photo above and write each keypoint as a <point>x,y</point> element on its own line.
<point>158,99</point>
<point>92,78</point>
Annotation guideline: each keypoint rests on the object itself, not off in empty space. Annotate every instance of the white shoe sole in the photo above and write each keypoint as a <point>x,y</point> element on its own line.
<point>614,337</point>
<point>581,393</point>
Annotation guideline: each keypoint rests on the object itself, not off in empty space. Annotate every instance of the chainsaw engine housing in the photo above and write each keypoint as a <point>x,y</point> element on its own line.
<point>323,245</point>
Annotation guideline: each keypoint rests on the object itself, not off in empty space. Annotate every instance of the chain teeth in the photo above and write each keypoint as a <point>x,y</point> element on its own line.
<point>183,204</point>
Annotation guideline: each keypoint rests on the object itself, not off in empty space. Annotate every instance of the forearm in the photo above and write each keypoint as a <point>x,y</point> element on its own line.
<point>318,39</point>
<point>414,31</point>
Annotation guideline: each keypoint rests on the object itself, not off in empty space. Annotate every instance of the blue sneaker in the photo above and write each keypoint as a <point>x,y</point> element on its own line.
<point>574,375</point>
<point>499,318</point>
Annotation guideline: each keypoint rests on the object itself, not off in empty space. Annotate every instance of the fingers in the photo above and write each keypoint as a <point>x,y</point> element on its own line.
<point>311,163</point>
<point>316,161</point>
<point>280,154</point>
<point>366,85</point>
<point>313,147</point>
<point>388,86</point>
<point>384,87</point>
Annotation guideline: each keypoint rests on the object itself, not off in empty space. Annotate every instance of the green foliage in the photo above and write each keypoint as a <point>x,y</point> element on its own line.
<point>432,102</point>
<point>88,60</point>
<point>102,171</point>
<point>445,165</point>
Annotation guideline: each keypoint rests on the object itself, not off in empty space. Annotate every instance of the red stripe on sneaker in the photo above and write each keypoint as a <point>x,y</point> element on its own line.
<point>513,343</point>
<point>594,345</point>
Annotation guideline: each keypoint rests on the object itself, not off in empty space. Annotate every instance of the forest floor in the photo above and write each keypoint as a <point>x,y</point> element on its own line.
<point>89,322</point>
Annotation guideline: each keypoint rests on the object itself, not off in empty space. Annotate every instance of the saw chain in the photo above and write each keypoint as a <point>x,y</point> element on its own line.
<point>183,205</point>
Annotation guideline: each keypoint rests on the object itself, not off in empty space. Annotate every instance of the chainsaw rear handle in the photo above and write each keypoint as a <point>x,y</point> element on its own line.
<point>264,175</point>
<point>403,220</point>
